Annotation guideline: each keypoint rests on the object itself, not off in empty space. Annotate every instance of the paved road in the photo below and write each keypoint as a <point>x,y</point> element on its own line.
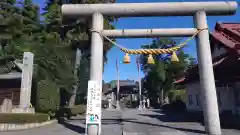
<point>153,122</point>
<point>76,126</point>
<point>133,122</point>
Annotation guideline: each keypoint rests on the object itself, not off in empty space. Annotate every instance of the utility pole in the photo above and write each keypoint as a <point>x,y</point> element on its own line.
<point>139,82</point>
<point>118,87</point>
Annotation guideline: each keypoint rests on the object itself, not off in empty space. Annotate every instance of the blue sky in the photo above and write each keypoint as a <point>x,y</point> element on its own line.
<point>129,71</point>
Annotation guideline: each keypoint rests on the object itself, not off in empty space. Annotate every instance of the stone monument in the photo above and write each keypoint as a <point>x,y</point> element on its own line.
<point>6,106</point>
<point>26,84</point>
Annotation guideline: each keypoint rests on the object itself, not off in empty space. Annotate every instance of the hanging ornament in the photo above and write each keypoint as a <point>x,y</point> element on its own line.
<point>126,59</point>
<point>174,57</point>
<point>150,59</point>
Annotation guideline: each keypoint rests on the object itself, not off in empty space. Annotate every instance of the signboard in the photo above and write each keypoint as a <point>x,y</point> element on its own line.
<point>93,115</point>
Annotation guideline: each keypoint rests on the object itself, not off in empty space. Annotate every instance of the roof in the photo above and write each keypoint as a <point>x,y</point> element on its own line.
<point>122,83</point>
<point>11,75</point>
<point>228,34</point>
<point>227,65</point>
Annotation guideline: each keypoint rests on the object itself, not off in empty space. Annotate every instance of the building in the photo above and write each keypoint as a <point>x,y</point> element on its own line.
<point>10,85</point>
<point>128,91</point>
<point>225,47</point>
<point>125,87</point>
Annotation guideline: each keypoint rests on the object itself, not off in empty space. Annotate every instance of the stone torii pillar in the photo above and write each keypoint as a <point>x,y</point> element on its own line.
<point>198,9</point>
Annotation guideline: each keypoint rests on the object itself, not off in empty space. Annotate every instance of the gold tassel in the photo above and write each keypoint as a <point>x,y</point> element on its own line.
<point>126,59</point>
<point>150,59</point>
<point>174,57</point>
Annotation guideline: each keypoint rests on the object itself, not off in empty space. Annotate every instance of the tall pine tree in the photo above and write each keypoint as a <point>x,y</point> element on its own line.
<point>76,32</point>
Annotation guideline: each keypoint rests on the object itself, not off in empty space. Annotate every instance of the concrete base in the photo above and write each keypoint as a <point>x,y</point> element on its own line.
<point>23,110</point>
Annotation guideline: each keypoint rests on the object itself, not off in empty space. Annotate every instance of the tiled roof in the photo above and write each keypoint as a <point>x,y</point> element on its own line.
<point>11,75</point>
<point>122,83</point>
<point>228,35</point>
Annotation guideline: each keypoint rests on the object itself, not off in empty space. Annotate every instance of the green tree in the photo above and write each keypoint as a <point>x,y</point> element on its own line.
<point>159,77</point>
<point>76,33</point>
<point>19,26</point>
<point>48,100</point>
<point>51,40</point>
<point>25,32</point>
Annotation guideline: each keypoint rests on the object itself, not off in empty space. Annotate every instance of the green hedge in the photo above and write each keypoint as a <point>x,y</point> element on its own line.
<point>176,95</point>
<point>78,109</point>
<point>18,118</point>
<point>48,96</point>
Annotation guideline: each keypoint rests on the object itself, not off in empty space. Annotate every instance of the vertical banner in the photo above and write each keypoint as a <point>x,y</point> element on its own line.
<point>94,96</point>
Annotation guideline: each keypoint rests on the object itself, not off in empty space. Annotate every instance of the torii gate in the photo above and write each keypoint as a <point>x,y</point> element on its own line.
<point>199,10</point>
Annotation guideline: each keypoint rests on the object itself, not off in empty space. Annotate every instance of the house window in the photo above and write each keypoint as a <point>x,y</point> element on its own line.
<point>190,101</point>
<point>197,99</point>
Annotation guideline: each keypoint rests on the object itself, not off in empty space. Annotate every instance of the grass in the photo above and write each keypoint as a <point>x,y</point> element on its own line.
<point>19,118</point>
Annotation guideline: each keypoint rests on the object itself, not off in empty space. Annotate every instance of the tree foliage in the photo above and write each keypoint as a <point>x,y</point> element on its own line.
<point>50,37</point>
<point>48,96</point>
<point>161,75</point>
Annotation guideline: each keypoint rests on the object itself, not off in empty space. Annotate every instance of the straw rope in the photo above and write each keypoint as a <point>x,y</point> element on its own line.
<point>151,51</point>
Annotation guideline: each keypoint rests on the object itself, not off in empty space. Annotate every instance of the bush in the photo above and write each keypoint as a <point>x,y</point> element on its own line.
<point>229,120</point>
<point>18,118</point>
<point>132,104</point>
<point>78,109</point>
<point>174,95</point>
<point>195,116</point>
<point>48,96</point>
<point>176,106</point>
<point>73,111</point>
<point>167,107</point>
<point>105,103</point>
<point>179,106</point>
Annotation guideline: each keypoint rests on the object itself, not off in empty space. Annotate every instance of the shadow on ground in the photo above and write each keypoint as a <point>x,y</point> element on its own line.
<point>77,129</point>
<point>227,121</point>
<point>106,121</point>
<point>175,117</point>
<point>160,125</point>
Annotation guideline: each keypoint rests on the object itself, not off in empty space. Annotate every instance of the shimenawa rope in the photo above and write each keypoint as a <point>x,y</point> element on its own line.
<point>151,51</point>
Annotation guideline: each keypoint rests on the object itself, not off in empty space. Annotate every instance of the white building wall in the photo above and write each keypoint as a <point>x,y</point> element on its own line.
<point>218,52</point>
<point>225,97</point>
<point>237,96</point>
<point>191,91</point>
